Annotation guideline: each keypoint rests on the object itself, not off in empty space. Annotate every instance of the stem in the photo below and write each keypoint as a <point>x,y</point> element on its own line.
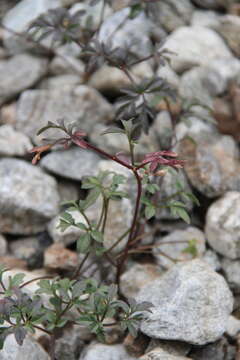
<point>36,279</point>
<point>42,329</point>
<point>133,226</point>
<point>77,272</point>
<point>106,204</point>
<point>101,216</point>
<point>118,241</point>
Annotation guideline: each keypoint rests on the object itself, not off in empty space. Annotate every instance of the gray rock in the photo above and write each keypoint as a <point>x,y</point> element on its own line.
<point>67,81</point>
<point>228,27</point>
<point>231,269</point>
<point>29,249</point>
<point>98,351</point>
<point>66,64</point>
<point>205,18</point>
<point>70,344</point>
<point>28,197</point>
<point>177,348</point>
<point>220,350</point>
<point>222,225</point>
<point>212,259</point>
<point>68,190</point>
<point>30,350</point>
<point>20,17</point>
<point>212,165</point>
<point>81,104</point>
<point>19,73</point>
<point>190,43</point>
<point>160,354</point>
<point>194,126</point>
<point>233,326</point>
<point>12,142</point>
<point>212,4</point>
<point>74,163</point>
<point>176,243</point>
<point>3,245</point>
<point>191,303</point>
<point>173,14</point>
<point>136,277</point>
<point>167,73</point>
<point>133,33</point>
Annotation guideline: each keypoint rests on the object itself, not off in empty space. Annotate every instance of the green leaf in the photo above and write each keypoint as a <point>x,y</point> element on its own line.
<point>150,211</point>
<point>83,243</point>
<point>152,188</point>
<point>181,212</point>
<point>191,248</point>
<point>90,199</point>
<point>113,130</point>
<point>191,197</point>
<point>97,236</point>
<point>16,280</point>
<point>81,226</point>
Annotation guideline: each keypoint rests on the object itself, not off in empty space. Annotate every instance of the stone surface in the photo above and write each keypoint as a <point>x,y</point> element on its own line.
<point>66,65</point>
<point>30,350</point>
<point>19,73</point>
<point>233,326</point>
<point>191,303</point>
<point>177,348</point>
<point>212,259</point>
<point>12,142</point>
<point>73,163</point>
<point>28,197</point>
<point>176,242</point>
<point>190,43</point>
<point>206,18</point>
<point>220,350</point>
<point>136,277</point>
<point>3,245</point>
<point>56,257</point>
<point>166,72</point>
<point>8,114</point>
<point>82,104</point>
<point>231,269</point>
<point>222,225</point>
<point>20,17</point>
<point>69,345</point>
<point>67,81</point>
<point>212,4</point>
<point>212,165</point>
<point>97,351</point>
<point>160,354</point>
<point>228,27</point>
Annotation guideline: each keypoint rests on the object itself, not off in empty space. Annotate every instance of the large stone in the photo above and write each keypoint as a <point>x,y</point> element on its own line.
<point>12,142</point>
<point>30,350</point>
<point>74,163</point>
<point>220,350</point>
<point>20,17</point>
<point>66,64</point>
<point>222,225</point>
<point>18,74</point>
<point>191,303</point>
<point>28,197</point>
<point>190,43</point>
<point>81,104</point>
<point>160,354</point>
<point>231,270</point>
<point>175,245</point>
<point>66,81</point>
<point>228,28</point>
<point>98,351</point>
<point>212,4</point>
<point>206,18</point>
<point>212,162</point>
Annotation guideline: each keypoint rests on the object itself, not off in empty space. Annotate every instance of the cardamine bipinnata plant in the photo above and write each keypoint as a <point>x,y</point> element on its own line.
<point>60,301</point>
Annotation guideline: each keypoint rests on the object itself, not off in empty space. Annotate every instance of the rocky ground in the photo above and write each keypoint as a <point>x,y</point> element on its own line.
<point>196,301</point>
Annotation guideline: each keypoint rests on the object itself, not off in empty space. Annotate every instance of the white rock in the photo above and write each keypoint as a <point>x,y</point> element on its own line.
<point>233,326</point>
<point>231,269</point>
<point>3,245</point>
<point>191,303</point>
<point>160,354</point>
<point>98,351</point>
<point>12,142</point>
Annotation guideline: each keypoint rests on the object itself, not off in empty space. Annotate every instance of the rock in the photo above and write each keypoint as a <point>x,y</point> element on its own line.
<point>69,345</point>
<point>194,126</point>
<point>68,190</point>
<point>212,4</point>
<point>3,245</point>
<point>134,33</point>
<point>136,346</point>
<point>97,351</point>
<point>167,73</point>
<point>222,223</point>
<point>136,277</point>
<point>226,121</point>
<point>8,114</point>
<point>176,243</point>
<point>79,104</point>
<point>68,81</point>
<point>56,257</point>
<point>231,270</point>
<point>205,18</point>
<point>10,262</point>
<point>159,354</point>
<point>190,43</point>
<point>20,17</point>
<point>173,14</point>
<point>212,259</point>
<point>177,348</point>
<point>74,163</point>
<point>212,162</point>
<point>233,326</point>
<point>12,142</point>
<point>30,350</point>
<point>28,249</point>
<point>110,79</point>
<point>66,65</point>
<point>228,27</point>
<point>191,303</point>
<point>28,197</point>
<point>220,350</point>
<point>20,73</point>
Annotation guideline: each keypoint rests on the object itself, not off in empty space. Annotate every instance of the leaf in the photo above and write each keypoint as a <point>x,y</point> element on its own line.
<point>19,332</point>
<point>113,130</point>
<point>150,211</point>
<point>90,199</point>
<point>191,248</point>
<point>181,212</point>
<point>83,243</point>
<point>97,236</point>
<point>16,280</point>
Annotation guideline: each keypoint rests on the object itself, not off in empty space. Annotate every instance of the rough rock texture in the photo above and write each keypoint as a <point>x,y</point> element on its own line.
<point>28,197</point>
<point>212,164</point>
<point>190,43</point>
<point>12,142</point>
<point>19,73</point>
<point>191,303</point>
<point>212,259</point>
<point>160,354</point>
<point>107,352</point>
<point>176,246</point>
<point>231,270</point>
<point>222,225</point>
<point>30,350</point>
<point>212,4</point>
<point>3,245</point>
<point>70,344</point>
<point>73,163</point>
<point>228,28</point>
<point>56,257</point>
<point>81,104</point>
<point>220,350</point>
<point>136,277</point>
<point>66,65</point>
<point>66,81</point>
